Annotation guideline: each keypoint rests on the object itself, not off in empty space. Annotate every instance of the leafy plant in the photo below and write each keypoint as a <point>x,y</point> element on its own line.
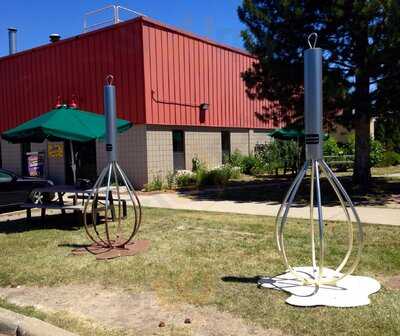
<point>235,172</point>
<point>170,180</point>
<point>248,163</point>
<point>236,159</point>
<point>155,184</point>
<point>184,178</point>
<point>390,158</point>
<point>331,147</point>
<point>376,153</point>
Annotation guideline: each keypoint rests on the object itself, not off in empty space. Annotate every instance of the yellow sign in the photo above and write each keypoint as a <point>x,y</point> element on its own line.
<point>55,150</point>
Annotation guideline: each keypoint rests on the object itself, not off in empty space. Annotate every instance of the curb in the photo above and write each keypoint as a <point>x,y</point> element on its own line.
<point>16,324</point>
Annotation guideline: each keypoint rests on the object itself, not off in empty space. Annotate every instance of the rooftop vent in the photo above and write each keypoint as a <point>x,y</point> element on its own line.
<point>12,40</point>
<point>54,38</point>
<point>107,16</point>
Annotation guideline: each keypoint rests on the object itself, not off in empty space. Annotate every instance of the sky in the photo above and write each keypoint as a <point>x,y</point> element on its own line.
<point>36,19</point>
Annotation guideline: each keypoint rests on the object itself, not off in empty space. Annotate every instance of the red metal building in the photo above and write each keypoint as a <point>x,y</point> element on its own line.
<point>162,75</point>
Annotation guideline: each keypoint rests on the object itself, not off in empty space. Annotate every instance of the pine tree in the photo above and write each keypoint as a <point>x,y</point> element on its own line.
<point>361,42</point>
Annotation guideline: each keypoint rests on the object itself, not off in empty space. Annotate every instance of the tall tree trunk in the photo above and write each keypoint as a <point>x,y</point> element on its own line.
<point>362,169</point>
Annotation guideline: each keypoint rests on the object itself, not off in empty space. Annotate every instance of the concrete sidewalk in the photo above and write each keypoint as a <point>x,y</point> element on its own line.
<point>372,215</point>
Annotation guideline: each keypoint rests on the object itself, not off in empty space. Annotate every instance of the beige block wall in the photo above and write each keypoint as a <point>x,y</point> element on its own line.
<point>146,152</point>
<point>205,144</point>
<point>11,156</point>
<point>131,155</point>
<point>240,141</point>
<point>160,160</point>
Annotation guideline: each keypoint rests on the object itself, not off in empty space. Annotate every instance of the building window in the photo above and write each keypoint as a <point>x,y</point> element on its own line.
<point>226,146</point>
<point>178,145</point>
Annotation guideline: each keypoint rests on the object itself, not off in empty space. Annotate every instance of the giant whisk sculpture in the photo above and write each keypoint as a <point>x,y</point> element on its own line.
<point>112,226</point>
<point>313,109</point>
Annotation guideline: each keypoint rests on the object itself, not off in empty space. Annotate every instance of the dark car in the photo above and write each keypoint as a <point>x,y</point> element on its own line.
<point>16,190</point>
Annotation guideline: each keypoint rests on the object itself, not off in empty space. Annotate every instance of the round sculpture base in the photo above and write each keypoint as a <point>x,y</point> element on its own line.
<point>351,291</point>
<point>103,253</point>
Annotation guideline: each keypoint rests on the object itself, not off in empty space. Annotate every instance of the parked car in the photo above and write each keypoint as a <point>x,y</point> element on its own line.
<point>16,190</point>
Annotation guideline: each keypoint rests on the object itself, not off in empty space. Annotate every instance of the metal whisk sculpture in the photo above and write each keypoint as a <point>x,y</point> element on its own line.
<point>105,202</point>
<point>314,160</point>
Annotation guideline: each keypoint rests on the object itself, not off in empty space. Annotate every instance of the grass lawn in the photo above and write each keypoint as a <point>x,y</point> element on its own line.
<point>205,259</point>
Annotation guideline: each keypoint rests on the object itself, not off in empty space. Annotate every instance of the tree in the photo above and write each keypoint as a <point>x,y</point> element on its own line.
<point>361,42</point>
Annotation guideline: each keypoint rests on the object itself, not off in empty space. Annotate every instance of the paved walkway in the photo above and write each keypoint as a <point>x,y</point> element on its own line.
<point>373,215</point>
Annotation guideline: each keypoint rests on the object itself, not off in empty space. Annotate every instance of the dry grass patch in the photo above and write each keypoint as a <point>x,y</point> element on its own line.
<point>207,260</point>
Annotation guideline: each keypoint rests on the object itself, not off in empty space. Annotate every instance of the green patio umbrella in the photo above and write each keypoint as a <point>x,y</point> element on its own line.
<point>63,124</point>
<point>286,134</point>
<point>289,134</point>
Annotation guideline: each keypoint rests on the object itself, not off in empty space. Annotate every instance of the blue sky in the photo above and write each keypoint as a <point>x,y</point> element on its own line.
<point>35,20</point>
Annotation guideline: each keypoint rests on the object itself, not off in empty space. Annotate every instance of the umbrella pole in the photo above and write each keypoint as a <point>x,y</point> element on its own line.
<point>73,165</point>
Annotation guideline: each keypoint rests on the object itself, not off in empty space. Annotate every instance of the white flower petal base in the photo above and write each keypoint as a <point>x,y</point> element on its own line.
<point>351,291</point>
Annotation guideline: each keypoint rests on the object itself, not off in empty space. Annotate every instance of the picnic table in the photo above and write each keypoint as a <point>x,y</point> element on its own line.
<point>77,193</point>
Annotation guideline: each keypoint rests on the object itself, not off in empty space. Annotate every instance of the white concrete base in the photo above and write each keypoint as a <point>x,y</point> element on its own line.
<point>351,291</point>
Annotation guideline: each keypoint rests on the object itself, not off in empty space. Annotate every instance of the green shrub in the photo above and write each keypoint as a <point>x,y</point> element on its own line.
<point>236,159</point>
<point>155,184</point>
<point>349,146</point>
<point>219,176</point>
<point>184,178</point>
<point>170,180</point>
<point>235,172</point>
<point>201,177</point>
<point>270,155</point>
<point>331,147</point>
<point>248,163</point>
<point>390,158</point>
<point>376,153</point>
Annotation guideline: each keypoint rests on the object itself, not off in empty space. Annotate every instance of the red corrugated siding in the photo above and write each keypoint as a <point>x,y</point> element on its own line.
<point>143,55</point>
<point>184,69</point>
<point>32,80</point>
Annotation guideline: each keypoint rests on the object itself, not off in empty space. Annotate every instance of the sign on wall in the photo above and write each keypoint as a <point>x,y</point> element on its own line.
<point>35,164</point>
<point>55,150</point>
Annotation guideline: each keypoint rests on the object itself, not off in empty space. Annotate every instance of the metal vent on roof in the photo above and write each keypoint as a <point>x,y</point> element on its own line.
<point>106,16</point>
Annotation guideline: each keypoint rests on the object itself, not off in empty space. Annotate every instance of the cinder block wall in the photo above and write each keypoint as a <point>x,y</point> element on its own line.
<point>11,156</point>
<point>160,159</point>
<point>132,156</point>
<point>205,144</point>
<point>240,141</point>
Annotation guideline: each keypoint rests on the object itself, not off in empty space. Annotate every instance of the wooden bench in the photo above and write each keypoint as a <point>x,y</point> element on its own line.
<point>52,206</point>
<point>102,198</point>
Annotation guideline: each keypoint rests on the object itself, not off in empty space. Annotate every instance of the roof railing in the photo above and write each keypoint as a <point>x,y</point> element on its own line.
<point>116,12</point>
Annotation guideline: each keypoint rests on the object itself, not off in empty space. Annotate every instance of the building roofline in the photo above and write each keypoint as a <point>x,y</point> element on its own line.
<point>173,29</point>
<point>142,19</point>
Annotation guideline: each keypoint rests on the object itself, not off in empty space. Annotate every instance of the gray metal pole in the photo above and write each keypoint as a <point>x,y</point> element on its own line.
<point>313,103</point>
<point>110,113</point>
<point>12,40</point>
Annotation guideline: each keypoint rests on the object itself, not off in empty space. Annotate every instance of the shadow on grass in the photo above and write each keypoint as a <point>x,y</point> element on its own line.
<point>67,222</point>
<point>272,191</point>
<point>244,280</point>
<point>74,246</point>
